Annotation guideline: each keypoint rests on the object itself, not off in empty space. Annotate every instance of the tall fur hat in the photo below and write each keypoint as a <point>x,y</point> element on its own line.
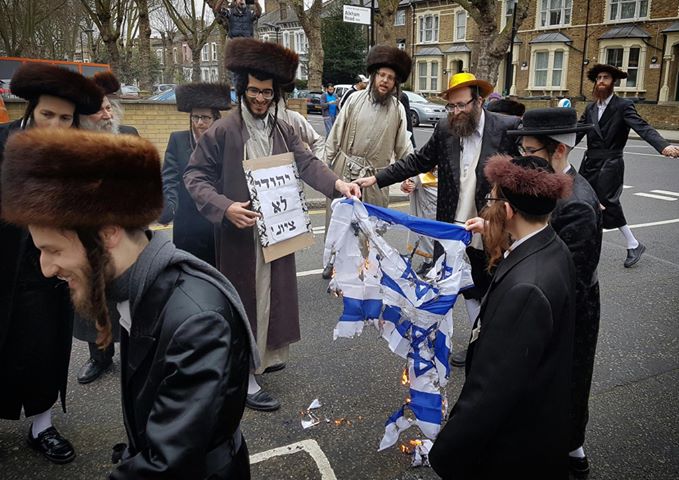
<point>528,183</point>
<point>107,82</point>
<point>34,79</point>
<point>70,178</point>
<point>392,57</point>
<point>203,95</point>
<point>506,106</point>
<point>245,55</point>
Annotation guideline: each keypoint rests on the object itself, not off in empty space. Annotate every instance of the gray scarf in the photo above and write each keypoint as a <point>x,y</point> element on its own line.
<point>260,143</point>
<point>160,254</point>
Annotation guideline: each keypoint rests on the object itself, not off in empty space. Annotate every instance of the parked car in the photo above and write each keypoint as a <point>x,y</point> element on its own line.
<point>313,100</point>
<point>163,87</point>
<point>341,89</point>
<point>424,111</point>
<point>4,88</point>
<point>129,91</point>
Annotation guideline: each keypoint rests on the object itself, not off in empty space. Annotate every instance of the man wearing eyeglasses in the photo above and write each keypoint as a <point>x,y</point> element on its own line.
<point>460,147</point>
<point>216,180</point>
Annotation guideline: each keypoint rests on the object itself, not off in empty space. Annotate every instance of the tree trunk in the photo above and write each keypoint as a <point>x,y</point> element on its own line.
<point>145,74</point>
<point>195,64</point>
<point>311,23</point>
<point>384,18</point>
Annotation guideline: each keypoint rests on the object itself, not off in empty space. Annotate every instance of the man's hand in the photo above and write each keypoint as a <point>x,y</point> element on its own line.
<point>347,189</point>
<point>475,225</point>
<point>671,151</point>
<point>240,216</point>
<point>365,182</point>
<point>407,186</point>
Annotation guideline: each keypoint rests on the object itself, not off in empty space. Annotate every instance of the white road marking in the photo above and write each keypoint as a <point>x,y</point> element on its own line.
<point>306,273</point>
<point>309,446</point>
<point>657,197</point>
<point>665,192</point>
<point>631,153</point>
<point>627,186</point>
<point>650,224</point>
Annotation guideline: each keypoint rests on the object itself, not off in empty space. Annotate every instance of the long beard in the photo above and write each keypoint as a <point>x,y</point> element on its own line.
<point>495,236</point>
<point>258,116</point>
<point>377,97</point>
<point>464,124</point>
<point>104,126</point>
<point>602,92</point>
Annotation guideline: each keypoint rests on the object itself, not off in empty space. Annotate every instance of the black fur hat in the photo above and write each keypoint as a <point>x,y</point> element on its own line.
<point>245,55</point>
<point>203,95</point>
<point>70,178</point>
<point>507,107</point>
<point>34,79</point>
<point>392,57</point>
<point>107,82</point>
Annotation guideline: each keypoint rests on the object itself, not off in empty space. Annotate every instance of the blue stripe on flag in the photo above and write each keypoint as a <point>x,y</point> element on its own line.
<point>439,305</point>
<point>391,314</point>
<point>395,416</point>
<point>441,351</point>
<point>359,310</point>
<point>426,406</point>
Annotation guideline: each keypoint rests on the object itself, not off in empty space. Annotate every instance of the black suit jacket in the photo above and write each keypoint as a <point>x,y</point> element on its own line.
<point>512,413</point>
<point>443,150</point>
<point>129,130</point>
<point>612,130</point>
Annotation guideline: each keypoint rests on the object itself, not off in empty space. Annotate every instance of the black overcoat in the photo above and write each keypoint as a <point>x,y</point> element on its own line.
<point>512,413</point>
<point>191,231</point>
<point>36,322</point>
<point>603,165</point>
<point>184,369</point>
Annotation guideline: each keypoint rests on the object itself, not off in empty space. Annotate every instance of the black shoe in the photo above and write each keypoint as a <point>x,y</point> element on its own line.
<point>579,467</point>
<point>92,369</point>
<point>634,255</point>
<point>52,445</point>
<point>274,368</point>
<point>458,359</point>
<point>326,274</point>
<point>262,401</point>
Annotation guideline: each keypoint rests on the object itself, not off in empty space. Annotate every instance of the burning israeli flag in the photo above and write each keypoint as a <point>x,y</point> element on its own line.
<point>413,313</point>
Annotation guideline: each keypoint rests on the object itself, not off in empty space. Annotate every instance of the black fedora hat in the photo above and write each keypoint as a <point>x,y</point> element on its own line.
<point>549,121</point>
<point>615,72</point>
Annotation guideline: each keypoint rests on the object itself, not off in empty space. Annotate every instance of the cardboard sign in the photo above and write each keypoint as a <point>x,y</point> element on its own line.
<point>277,193</point>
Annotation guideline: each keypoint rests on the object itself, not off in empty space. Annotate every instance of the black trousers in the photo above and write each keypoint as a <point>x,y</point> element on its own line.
<point>606,177</point>
<point>101,356</point>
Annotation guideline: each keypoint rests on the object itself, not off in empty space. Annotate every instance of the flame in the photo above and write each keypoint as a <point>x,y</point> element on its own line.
<point>404,377</point>
<point>416,443</point>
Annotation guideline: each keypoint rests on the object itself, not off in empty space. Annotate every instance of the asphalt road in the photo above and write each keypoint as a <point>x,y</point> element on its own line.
<point>634,427</point>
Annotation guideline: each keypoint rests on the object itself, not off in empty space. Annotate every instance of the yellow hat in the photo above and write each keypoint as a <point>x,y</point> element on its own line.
<point>464,79</point>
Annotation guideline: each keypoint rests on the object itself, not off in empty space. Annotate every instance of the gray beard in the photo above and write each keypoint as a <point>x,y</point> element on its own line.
<point>378,98</point>
<point>105,126</point>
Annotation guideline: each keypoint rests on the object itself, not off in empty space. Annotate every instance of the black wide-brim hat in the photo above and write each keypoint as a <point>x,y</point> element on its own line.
<point>203,95</point>
<point>549,121</point>
<point>71,178</point>
<point>246,55</point>
<point>34,79</point>
<point>387,56</point>
<point>615,72</point>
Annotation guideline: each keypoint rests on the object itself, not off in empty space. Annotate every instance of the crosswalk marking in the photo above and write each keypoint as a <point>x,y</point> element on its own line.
<point>309,446</point>
<point>627,186</point>
<point>665,192</point>
<point>657,197</point>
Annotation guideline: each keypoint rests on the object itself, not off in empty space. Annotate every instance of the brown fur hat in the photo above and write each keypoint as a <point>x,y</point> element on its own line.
<point>392,57</point>
<point>203,95</point>
<point>245,55</point>
<point>69,178</point>
<point>107,82</point>
<point>528,183</point>
<point>34,79</point>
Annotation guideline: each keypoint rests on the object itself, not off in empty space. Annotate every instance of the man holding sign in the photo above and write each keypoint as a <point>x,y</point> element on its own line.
<point>239,179</point>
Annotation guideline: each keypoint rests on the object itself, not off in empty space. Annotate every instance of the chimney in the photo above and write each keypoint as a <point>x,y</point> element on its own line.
<point>283,7</point>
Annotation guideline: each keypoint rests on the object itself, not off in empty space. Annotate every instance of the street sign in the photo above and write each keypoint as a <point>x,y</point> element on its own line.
<point>354,14</point>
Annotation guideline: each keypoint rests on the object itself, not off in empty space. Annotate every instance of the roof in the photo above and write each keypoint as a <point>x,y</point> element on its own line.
<point>626,31</point>
<point>553,37</point>
<point>458,47</point>
<point>672,28</point>
<point>429,51</point>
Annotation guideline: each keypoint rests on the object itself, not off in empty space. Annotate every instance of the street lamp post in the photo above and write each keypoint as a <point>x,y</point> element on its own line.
<point>82,47</point>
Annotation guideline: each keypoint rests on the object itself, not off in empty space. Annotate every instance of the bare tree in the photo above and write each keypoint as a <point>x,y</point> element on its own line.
<point>384,17</point>
<point>145,75</point>
<point>492,44</point>
<point>310,19</point>
<point>163,24</point>
<point>196,28</point>
<point>28,28</point>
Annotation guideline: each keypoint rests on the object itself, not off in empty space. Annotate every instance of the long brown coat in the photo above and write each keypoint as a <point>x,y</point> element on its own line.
<point>215,179</point>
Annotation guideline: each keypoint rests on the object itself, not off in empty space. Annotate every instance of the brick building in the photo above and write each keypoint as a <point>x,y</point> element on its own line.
<point>175,61</point>
<point>553,47</point>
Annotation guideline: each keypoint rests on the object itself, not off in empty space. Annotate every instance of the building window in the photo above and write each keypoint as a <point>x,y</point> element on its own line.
<point>213,48</point>
<point>301,42</point>
<point>205,74</point>
<point>174,55</point>
<point>400,18</point>
<point>286,39</point>
<point>627,9</point>
<point>555,13</point>
<point>428,76</point>
<point>161,57</point>
<point>429,28</point>
<point>508,13</point>
<point>205,53</point>
<point>214,74</point>
<point>548,69</point>
<point>541,70</point>
<point>434,77</point>
<point>422,76</point>
<point>460,25</point>
<point>627,59</point>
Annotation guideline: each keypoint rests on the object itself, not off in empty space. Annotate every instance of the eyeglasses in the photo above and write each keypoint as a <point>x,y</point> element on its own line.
<point>529,150</point>
<point>451,107</point>
<point>204,118</point>
<point>490,199</point>
<point>253,92</point>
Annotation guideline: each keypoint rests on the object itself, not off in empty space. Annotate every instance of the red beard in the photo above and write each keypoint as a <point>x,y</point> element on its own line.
<point>601,91</point>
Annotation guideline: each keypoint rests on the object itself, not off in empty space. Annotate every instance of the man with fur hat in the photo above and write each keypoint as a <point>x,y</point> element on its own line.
<point>36,317</point>
<point>507,106</point>
<point>109,116</point>
<point>191,231</point>
<point>371,128</point>
<point>603,164</point>
<point>106,120</point>
<point>216,180</point>
<point>185,343</point>
<point>460,147</point>
<point>511,418</point>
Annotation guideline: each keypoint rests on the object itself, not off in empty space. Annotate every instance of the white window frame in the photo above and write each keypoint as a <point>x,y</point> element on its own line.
<point>456,31</point>
<point>550,49</point>
<point>563,10</point>
<point>205,53</point>
<point>428,63</point>
<point>286,39</point>
<point>213,50</point>
<point>421,20</point>
<point>504,17</point>
<point>204,74</point>
<point>160,55</point>
<point>618,17</point>
<point>626,44</point>
<point>174,55</point>
<point>301,43</point>
<point>214,74</point>
<point>400,18</point>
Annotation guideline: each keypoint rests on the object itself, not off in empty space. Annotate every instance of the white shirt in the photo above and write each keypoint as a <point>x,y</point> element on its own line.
<point>602,106</point>
<point>125,315</point>
<point>521,240</point>
<point>471,146</point>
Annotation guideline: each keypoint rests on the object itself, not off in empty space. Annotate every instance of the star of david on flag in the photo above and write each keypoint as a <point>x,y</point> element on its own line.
<point>413,313</point>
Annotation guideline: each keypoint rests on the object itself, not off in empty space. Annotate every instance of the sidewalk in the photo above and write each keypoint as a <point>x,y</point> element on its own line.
<point>669,135</point>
